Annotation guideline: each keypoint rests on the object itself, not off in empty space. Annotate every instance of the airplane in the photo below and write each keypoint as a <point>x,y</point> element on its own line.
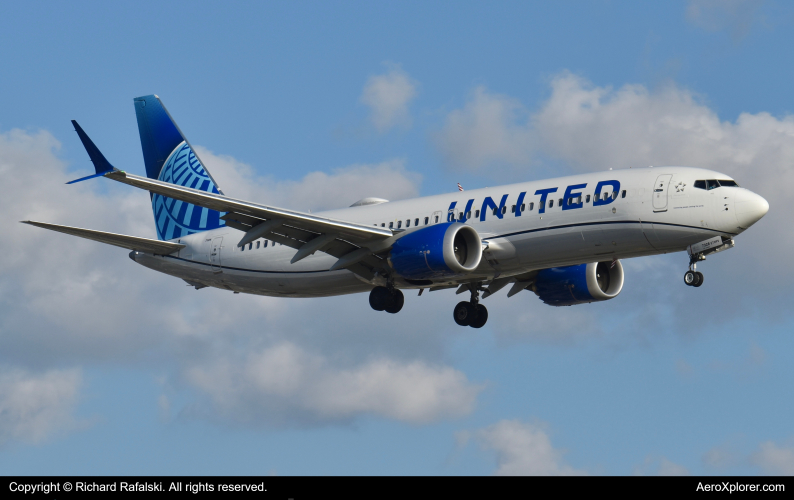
<point>561,238</point>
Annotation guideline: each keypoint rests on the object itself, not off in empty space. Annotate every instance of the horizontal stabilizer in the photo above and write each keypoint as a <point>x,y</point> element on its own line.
<point>130,242</point>
<point>221,203</point>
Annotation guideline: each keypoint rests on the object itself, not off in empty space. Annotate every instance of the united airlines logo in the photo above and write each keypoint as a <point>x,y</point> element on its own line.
<point>176,218</point>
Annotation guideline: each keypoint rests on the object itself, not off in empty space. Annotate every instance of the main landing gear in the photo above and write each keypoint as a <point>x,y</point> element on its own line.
<point>471,313</point>
<point>387,299</point>
<point>693,277</point>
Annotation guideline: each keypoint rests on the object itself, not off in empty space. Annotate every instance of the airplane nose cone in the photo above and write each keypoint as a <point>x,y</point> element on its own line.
<point>750,207</point>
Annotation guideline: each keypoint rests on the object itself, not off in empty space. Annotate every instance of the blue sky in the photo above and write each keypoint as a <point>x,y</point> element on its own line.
<point>109,368</point>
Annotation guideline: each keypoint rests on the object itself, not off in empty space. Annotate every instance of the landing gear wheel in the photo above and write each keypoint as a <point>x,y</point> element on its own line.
<point>395,303</point>
<point>379,298</point>
<point>698,279</point>
<point>480,317</point>
<point>690,278</point>
<point>464,313</point>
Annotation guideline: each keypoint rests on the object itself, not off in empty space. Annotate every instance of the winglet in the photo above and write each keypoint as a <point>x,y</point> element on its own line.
<point>101,165</point>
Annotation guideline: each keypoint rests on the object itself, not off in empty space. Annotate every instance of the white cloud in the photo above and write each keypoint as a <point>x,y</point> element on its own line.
<point>34,407</point>
<point>592,128</point>
<point>388,96</point>
<point>285,379</point>
<point>659,466</point>
<point>721,457</point>
<point>522,449</point>
<point>316,190</point>
<point>736,16</point>
<point>487,130</point>
<point>774,459</point>
<point>68,300</point>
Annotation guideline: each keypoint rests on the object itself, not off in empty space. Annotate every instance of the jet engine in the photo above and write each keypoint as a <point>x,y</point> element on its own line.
<point>580,284</point>
<point>437,251</point>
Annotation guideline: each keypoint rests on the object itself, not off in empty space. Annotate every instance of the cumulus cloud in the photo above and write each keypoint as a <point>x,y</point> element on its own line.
<point>736,16</point>
<point>286,381</point>
<point>590,128</point>
<point>316,190</point>
<point>721,457</point>
<point>68,300</point>
<point>659,466</point>
<point>522,449</point>
<point>388,96</point>
<point>489,129</point>
<point>33,407</point>
<point>774,459</point>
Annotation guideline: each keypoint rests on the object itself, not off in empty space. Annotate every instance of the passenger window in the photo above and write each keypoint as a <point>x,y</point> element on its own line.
<point>531,206</point>
<point>523,207</point>
<point>257,244</point>
<point>477,214</point>
<point>712,184</point>
<point>265,243</point>
<point>408,223</point>
<point>494,210</point>
<point>468,214</point>
<point>242,248</point>
<point>436,219</point>
<point>623,195</point>
<point>614,195</point>
<point>382,224</point>
<point>513,209</point>
<point>250,246</point>
<point>700,184</point>
<point>391,225</point>
<point>551,203</point>
<point>587,200</point>
<point>416,222</point>
<point>504,210</point>
<point>399,224</point>
<point>427,220</point>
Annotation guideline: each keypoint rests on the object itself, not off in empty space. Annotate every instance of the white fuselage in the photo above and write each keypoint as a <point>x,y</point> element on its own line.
<point>655,210</point>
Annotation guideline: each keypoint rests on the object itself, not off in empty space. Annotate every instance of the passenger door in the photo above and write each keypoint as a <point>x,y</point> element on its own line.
<point>660,192</point>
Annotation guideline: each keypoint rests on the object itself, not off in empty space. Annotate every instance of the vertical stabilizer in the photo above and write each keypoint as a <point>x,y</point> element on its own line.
<point>170,158</point>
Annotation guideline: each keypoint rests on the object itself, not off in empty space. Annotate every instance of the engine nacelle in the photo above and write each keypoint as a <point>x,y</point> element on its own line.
<point>581,284</point>
<point>439,251</point>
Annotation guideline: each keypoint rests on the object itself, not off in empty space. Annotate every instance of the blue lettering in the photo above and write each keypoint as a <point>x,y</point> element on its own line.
<point>463,217</point>
<point>543,194</point>
<point>489,203</point>
<point>570,194</point>
<point>451,211</point>
<point>519,202</point>
<point>615,188</point>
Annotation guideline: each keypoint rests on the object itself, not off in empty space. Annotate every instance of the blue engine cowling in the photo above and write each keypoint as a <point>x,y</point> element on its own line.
<point>580,284</point>
<point>438,251</point>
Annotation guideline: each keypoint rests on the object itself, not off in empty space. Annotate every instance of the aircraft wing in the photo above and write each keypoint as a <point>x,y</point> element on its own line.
<point>131,242</point>
<point>353,244</point>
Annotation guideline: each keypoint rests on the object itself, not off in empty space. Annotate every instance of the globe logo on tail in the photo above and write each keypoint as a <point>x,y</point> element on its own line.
<point>175,218</point>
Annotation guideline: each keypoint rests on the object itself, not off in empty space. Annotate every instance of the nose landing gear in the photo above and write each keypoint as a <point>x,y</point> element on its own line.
<point>471,313</point>
<point>386,299</point>
<point>693,277</point>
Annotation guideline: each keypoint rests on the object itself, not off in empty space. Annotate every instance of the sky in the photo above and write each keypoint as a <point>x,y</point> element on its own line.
<point>110,368</point>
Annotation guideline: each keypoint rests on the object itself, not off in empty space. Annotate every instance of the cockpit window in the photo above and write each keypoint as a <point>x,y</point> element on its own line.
<point>712,184</point>
<point>727,183</point>
<point>700,184</point>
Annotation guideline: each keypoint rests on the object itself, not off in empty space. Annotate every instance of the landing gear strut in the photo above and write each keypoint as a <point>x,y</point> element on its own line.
<point>693,277</point>
<point>471,313</point>
<point>387,299</point>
